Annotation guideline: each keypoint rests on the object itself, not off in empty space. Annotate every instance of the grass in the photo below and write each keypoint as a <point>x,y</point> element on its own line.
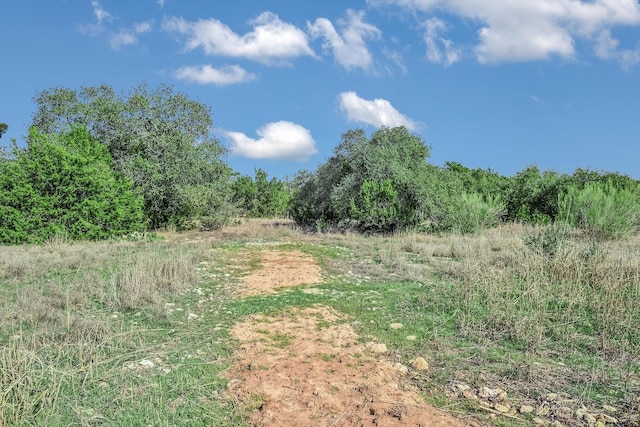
<point>136,333</point>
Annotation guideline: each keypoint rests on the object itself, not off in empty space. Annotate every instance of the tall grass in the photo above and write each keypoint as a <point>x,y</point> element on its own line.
<point>73,314</point>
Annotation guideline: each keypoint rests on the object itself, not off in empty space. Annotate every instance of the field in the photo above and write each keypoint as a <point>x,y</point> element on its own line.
<point>515,326</point>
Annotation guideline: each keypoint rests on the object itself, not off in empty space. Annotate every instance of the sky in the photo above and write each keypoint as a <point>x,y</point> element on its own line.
<point>499,84</point>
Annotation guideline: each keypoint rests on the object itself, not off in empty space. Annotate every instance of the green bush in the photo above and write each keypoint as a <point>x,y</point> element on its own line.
<point>601,210</point>
<point>377,207</point>
<point>63,185</point>
<point>478,213</point>
<point>159,139</point>
<point>261,198</point>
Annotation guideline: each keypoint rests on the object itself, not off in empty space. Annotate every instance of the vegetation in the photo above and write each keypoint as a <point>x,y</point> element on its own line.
<point>130,333</point>
<point>377,184</point>
<point>62,185</point>
<point>157,138</point>
<point>261,198</point>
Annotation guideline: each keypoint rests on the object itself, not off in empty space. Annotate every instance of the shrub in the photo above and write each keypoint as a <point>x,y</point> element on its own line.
<point>478,213</point>
<point>601,210</point>
<point>63,184</point>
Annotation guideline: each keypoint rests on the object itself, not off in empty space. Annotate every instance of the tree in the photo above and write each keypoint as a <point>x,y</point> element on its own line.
<point>159,139</point>
<point>3,128</point>
<point>377,184</point>
<point>261,198</point>
<point>63,184</point>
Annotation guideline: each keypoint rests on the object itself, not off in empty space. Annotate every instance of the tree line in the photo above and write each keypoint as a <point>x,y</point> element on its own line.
<point>99,165</point>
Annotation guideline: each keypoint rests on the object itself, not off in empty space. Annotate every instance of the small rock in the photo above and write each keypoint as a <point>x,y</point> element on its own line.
<point>146,363</point>
<point>486,393</point>
<point>557,423</point>
<point>526,409</point>
<point>542,410</point>
<point>411,337</point>
<point>469,395</point>
<point>551,396</point>
<point>500,393</point>
<point>539,422</point>
<point>606,419</point>
<point>377,347</point>
<point>581,412</point>
<point>501,408</point>
<point>402,370</point>
<point>590,419</point>
<point>420,364</point>
<point>609,408</point>
<point>461,386</point>
<point>600,424</point>
<point>192,316</point>
<point>396,326</point>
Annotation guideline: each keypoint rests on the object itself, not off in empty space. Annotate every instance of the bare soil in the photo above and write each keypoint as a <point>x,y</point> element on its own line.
<point>306,367</point>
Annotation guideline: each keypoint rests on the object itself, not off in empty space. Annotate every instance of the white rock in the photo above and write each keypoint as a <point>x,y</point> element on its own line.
<point>146,363</point>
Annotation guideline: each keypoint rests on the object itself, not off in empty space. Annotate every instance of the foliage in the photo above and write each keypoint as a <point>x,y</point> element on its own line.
<point>261,198</point>
<point>602,210</point>
<point>547,240</point>
<point>532,195</point>
<point>378,206</point>
<point>64,185</point>
<point>487,183</point>
<point>159,139</point>
<point>3,128</point>
<point>478,213</point>
<point>369,179</point>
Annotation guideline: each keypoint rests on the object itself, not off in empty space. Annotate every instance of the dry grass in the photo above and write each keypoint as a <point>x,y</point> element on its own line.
<point>569,321</point>
<point>57,311</point>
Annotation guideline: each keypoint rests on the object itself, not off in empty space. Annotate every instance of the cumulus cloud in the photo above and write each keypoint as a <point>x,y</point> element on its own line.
<point>348,46</point>
<point>527,30</point>
<point>281,140</point>
<point>449,54</point>
<point>206,74</point>
<point>272,41</point>
<point>378,112</point>
<point>129,36</point>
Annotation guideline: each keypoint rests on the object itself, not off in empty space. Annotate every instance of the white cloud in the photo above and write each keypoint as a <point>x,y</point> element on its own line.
<point>396,57</point>
<point>606,47</point>
<point>99,12</point>
<point>271,41</point>
<point>127,36</point>
<point>451,54</point>
<point>348,46</point>
<point>281,140</point>
<point>101,15</point>
<point>377,113</point>
<point>206,74</point>
<point>161,3</point>
<point>527,30</point>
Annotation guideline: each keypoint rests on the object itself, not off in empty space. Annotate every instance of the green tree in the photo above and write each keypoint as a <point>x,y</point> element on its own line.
<point>261,197</point>
<point>63,184</point>
<point>3,128</point>
<point>159,139</point>
<point>532,195</point>
<point>382,183</point>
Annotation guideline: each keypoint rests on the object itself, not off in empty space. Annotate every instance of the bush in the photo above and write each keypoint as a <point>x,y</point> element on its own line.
<point>63,185</point>
<point>601,210</point>
<point>478,213</point>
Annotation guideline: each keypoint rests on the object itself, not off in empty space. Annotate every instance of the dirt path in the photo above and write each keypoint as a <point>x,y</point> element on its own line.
<point>307,367</point>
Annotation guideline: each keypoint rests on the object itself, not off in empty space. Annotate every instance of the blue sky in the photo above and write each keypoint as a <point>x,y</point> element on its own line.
<point>500,84</point>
